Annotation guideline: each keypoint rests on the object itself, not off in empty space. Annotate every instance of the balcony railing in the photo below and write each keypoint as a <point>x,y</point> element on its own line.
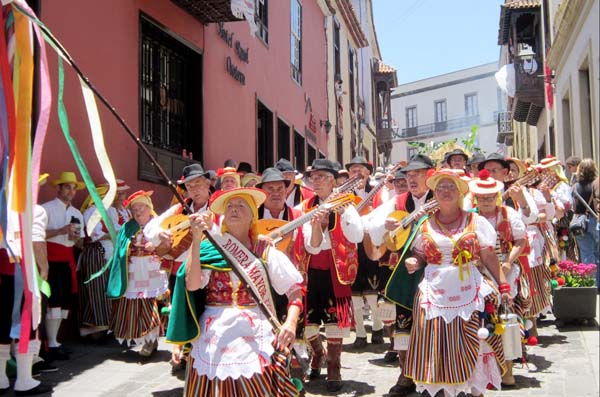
<point>439,127</point>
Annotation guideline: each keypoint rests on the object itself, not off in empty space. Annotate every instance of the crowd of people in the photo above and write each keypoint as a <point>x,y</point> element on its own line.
<point>249,276</point>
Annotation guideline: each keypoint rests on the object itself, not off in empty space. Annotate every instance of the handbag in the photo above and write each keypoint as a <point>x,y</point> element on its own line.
<point>578,225</point>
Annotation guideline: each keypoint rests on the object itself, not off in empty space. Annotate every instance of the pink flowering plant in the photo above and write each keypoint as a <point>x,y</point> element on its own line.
<point>577,274</point>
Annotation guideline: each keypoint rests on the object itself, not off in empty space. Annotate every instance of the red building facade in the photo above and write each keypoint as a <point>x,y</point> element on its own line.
<point>206,91</point>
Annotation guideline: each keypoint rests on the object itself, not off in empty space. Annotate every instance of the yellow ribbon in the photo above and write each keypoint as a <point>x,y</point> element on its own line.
<point>462,259</point>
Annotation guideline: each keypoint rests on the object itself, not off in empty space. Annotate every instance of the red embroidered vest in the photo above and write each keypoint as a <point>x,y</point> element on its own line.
<point>467,241</point>
<point>344,253</point>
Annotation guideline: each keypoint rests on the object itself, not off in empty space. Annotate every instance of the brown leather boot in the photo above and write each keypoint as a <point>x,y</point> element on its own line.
<point>317,355</point>
<point>334,365</point>
<point>404,386</point>
<point>508,380</point>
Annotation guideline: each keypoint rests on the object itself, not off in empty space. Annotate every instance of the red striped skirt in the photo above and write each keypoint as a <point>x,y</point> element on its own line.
<point>445,353</point>
<point>95,307</point>
<point>135,319</point>
<point>274,381</point>
<point>540,277</point>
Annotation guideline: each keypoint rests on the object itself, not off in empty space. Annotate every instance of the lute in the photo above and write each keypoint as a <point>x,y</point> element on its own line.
<point>395,239</point>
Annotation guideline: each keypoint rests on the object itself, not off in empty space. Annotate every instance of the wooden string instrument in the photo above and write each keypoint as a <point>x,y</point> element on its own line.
<point>531,176</point>
<point>281,231</point>
<point>395,239</point>
<point>179,227</point>
<point>362,206</point>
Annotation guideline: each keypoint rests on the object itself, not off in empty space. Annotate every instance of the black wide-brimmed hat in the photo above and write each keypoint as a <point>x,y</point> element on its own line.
<point>285,165</point>
<point>193,171</point>
<point>360,160</point>
<point>497,157</point>
<point>245,167</point>
<point>272,175</point>
<point>418,162</point>
<point>323,165</point>
<point>476,158</point>
<point>456,152</point>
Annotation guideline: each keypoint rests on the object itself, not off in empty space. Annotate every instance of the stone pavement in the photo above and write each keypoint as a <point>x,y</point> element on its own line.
<point>565,363</point>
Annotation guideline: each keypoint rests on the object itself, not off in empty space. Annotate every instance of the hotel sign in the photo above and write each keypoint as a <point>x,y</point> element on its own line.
<point>242,53</point>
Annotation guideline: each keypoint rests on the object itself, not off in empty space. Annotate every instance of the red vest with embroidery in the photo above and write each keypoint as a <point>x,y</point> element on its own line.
<point>344,253</point>
<point>220,292</point>
<point>506,236</point>
<point>466,242</point>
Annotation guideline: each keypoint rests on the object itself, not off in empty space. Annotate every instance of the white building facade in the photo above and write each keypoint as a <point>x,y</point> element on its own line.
<point>446,107</point>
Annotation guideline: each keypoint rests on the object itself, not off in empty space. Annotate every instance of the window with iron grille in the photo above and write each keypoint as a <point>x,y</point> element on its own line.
<point>336,50</point>
<point>262,19</point>
<point>351,78</point>
<point>296,41</point>
<point>170,92</point>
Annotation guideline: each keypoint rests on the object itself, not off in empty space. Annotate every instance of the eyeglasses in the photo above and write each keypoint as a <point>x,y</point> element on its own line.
<point>486,198</point>
<point>446,187</point>
<point>320,177</point>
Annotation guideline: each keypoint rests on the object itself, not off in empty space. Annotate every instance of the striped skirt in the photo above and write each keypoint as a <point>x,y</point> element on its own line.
<point>444,355</point>
<point>135,320</point>
<point>95,308</point>
<point>274,381</point>
<point>540,277</point>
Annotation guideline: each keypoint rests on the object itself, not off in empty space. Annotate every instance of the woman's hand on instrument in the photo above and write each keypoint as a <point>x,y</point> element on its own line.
<point>412,265</point>
<point>166,238</point>
<point>516,193</point>
<point>287,335</point>
<point>391,224</point>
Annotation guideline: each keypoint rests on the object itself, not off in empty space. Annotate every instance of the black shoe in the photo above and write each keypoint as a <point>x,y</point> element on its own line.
<point>55,353</point>
<point>334,385</point>
<point>41,367</point>
<point>360,342</point>
<point>391,357</point>
<point>4,391</point>
<point>377,337</point>
<point>39,389</point>
<point>402,390</point>
<point>314,373</point>
<point>65,349</point>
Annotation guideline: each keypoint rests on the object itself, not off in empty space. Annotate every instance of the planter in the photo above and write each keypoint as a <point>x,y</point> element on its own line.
<point>574,303</point>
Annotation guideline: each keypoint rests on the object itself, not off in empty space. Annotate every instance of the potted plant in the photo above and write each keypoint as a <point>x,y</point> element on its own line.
<point>574,291</point>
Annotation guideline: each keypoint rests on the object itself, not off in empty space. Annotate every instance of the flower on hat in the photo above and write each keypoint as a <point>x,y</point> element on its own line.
<point>483,174</point>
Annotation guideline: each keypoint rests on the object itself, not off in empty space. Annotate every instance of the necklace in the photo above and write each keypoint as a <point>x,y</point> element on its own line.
<point>444,226</point>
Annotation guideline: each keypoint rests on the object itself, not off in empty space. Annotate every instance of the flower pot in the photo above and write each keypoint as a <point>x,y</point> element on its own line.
<point>574,303</point>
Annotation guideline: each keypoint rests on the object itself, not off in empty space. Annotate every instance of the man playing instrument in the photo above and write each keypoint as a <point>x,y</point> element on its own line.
<point>378,225</point>
<point>367,283</point>
<point>331,264</point>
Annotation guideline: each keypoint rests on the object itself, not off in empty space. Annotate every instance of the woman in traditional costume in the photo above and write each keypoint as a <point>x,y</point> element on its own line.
<point>449,349</point>
<point>136,280</point>
<point>511,242</point>
<point>234,349</point>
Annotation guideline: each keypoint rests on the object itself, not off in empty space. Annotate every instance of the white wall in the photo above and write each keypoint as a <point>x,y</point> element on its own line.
<point>452,87</point>
<point>583,48</point>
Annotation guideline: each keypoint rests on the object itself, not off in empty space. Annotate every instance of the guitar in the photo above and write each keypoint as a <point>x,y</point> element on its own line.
<point>362,204</point>
<point>281,231</point>
<point>395,239</point>
<point>531,176</point>
<point>179,226</point>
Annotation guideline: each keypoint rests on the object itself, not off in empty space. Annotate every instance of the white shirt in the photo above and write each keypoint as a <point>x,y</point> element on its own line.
<point>13,233</point>
<point>59,215</point>
<point>267,214</point>
<point>351,227</point>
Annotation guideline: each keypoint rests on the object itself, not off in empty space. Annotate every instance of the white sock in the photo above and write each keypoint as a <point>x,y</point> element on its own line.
<point>24,362</point>
<point>357,302</point>
<point>52,327</point>
<point>4,357</point>
<point>375,315</point>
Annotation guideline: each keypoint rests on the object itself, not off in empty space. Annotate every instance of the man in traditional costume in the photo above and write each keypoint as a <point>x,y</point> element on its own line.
<point>367,285</point>
<point>296,193</point>
<point>331,266</point>
<point>63,231</point>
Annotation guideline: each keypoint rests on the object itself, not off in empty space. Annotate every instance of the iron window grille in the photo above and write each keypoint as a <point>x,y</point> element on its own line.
<point>262,20</point>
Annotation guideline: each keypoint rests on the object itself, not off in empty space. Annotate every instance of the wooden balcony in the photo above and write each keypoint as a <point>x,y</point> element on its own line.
<point>208,11</point>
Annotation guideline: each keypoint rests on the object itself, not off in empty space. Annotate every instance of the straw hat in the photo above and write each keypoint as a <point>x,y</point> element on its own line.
<point>520,165</point>
<point>485,185</point>
<point>250,177</point>
<point>548,162</point>
<point>219,203</point>
<point>121,185</point>
<point>141,196</point>
<point>43,178</point>
<point>435,178</point>
<point>68,177</point>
